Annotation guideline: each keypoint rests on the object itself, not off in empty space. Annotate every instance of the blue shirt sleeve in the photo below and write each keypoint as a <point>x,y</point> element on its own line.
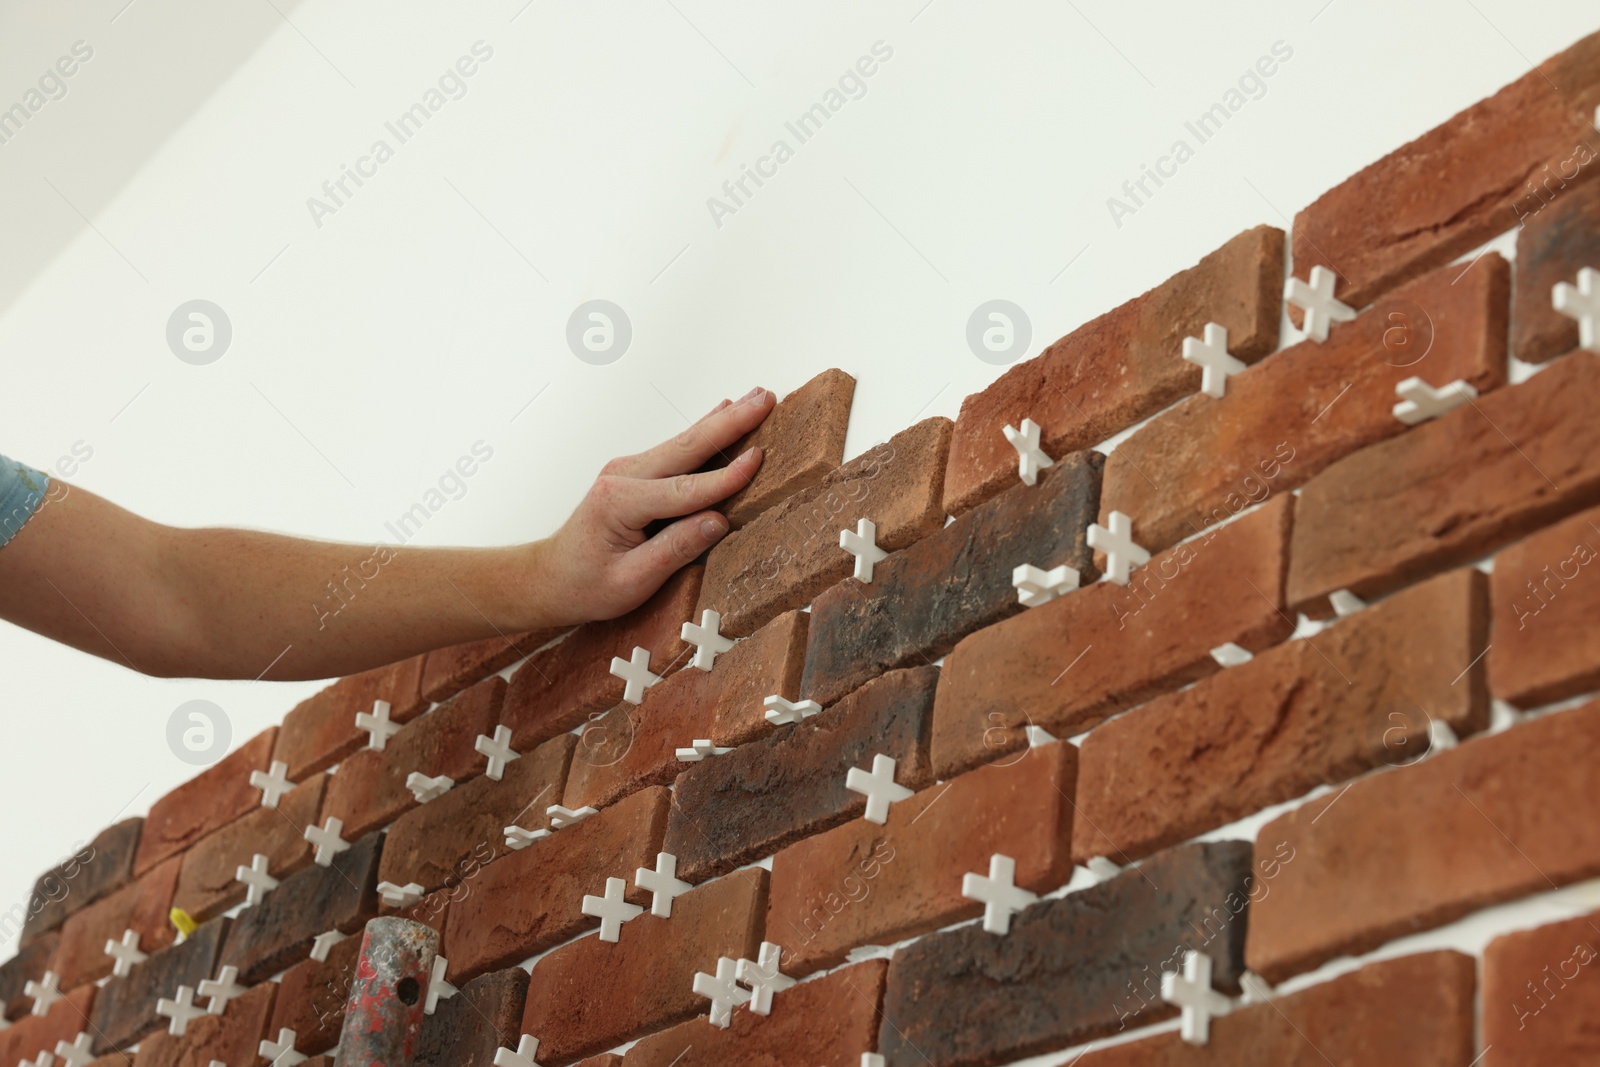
<point>22,490</point>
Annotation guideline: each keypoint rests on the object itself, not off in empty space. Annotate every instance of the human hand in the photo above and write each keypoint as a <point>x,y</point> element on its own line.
<point>600,564</point>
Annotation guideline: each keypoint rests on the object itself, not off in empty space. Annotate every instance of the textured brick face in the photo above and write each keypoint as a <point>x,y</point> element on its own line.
<point>207,885</point>
<point>1304,713</point>
<point>141,906</point>
<point>865,884</point>
<point>85,876</point>
<point>1415,1011</point>
<point>1120,368</point>
<point>1555,243</point>
<point>35,1034</point>
<point>1545,597</point>
<point>765,795</point>
<point>1452,489</point>
<point>631,747</point>
<point>1111,646</point>
<point>647,975</point>
<point>442,841</point>
<point>1297,411</point>
<point>1541,996</point>
<point>210,800</point>
<point>467,1029</point>
<point>1459,184</point>
<point>125,1009</point>
<point>232,1037</point>
<point>558,688</point>
<point>1420,846</point>
<point>1070,969</point>
<point>829,1021</point>
<point>28,965</point>
<point>529,900</point>
<point>802,439</point>
<point>788,555</point>
<point>312,996</point>
<point>447,671</point>
<point>321,730</point>
<point>928,596</point>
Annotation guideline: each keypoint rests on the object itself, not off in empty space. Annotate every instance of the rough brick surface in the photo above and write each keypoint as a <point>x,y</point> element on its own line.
<point>1356,696</point>
<point>829,1021</point>
<point>1555,243</point>
<point>605,1059</point>
<point>765,795</point>
<point>447,671</point>
<point>1451,489</point>
<point>1457,185</point>
<point>205,803</point>
<point>369,788</point>
<point>558,688</point>
<point>802,439</point>
<point>232,1037</point>
<point>321,730</point>
<point>630,747</point>
<point>84,876</point>
<point>1071,969</point>
<point>278,932</point>
<point>125,1008</point>
<point>1111,646</point>
<point>1414,848</point>
<point>1415,1011</point>
<point>440,842</point>
<point>467,1029</point>
<point>28,965</point>
<point>312,996</point>
<point>647,975</point>
<point>141,906</point>
<point>207,882</point>
<point>789,554</point>
<point>34,1034</point>
<point>1545,599</point>
<point>927,597</point>
<point>1121,367</point>
<point>862,883</point>
<point>529,900</point>
<point>1297,411</point>
<point>1541,996</point>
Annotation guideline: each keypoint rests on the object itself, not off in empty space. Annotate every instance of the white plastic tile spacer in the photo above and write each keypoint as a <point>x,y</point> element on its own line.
<point>699,749</point>
<point>125,953</point>
<point>518,839</point>
<point>1344,602</point>
<point>527,1049</point>
<point>663,884</point>
<point>1192,992</point>
<point>763,977</point>
<point>863,545</point>
<point>78,1053</point>
<point>998,892</point>
<point>258,883</point>
<point>1229,654</point>
<point>706,638</point>
<point>1582,302</point>
<point>273,783</point>
<point>1420,401</point>
<point>723,990</point>
<point>781,712</point>
<point>281,1053</point>
<point>327,840</point>
<point>323,942</point>
<point>1031,459</point>
<point>218,991</point>
<point>496,748</point>
<point>1116,541</point>
<point>181,1009</point>
<point>438,988</point>
<point>561,818</point>
<point>427,789</point>
<point>377,725</point>
<point>399,896</point>
<point>1035,586</point>
<point>1212,356</point>
<point>878,786</point>
<point>612,910</point>
<point>1316,299</point>
<point>45,992</point>
<point>1102,869</point>
<point>635,674</point>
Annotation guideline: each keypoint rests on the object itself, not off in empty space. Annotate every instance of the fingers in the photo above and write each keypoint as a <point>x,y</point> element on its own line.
<point>639,502</point>
<point>691,449</point>
<point>645,568</point>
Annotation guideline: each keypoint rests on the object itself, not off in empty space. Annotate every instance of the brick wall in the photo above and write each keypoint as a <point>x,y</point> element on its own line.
<point>1337,737</point>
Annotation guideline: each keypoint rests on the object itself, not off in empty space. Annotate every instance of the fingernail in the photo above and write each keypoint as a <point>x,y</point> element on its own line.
<point>746,454</point>
<point>753,395</point>
<point>710,529</point>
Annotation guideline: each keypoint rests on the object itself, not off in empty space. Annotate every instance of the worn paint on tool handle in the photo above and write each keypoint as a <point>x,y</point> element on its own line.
<point>387,996</point>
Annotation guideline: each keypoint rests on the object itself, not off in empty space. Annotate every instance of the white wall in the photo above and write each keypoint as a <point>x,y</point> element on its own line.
<point>372,350</point>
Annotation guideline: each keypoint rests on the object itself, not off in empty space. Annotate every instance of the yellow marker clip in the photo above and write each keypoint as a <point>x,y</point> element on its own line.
<point>180,919</point>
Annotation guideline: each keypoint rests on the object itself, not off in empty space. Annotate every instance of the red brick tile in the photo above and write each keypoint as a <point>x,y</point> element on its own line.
<point>447,671</point>
<point>210,800</point>
<point>605,1059</point>
<point>1114,646</point>
<point>1119,368</point>
<point>86,874</point>
<point>439,843</point>
<point>1297,716</point>
<point>558,688</point>
<point>528,900</point>
<point>471,1027</point>
<point>1067,970</point>
<point>125,1008</point>
<point>1451,489</point>
<point>1420,846</point>
<point>28,965</point>
<point>141,906</point>
<point>369,788</point>
<point>926,597</point>
<point>1415,1010</point>
<point>1556,242</point>
<point>765,795</point>
<point>312,996</point>
<point>1545,645</point>
<point>120,1059</point>
<point>831,1020</point>
<point>802,440</point>
<point>631,747</point>
<point>34,1034</point>
<point>790,553</point>
<point>1541,996</point>
<point>1297,411</point>
<point>207,882</point>
<point>647,975</point>
<point>861,883</point>
<point>231,1037</point>
<point>1457,185</point>
<point>321,730</point>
